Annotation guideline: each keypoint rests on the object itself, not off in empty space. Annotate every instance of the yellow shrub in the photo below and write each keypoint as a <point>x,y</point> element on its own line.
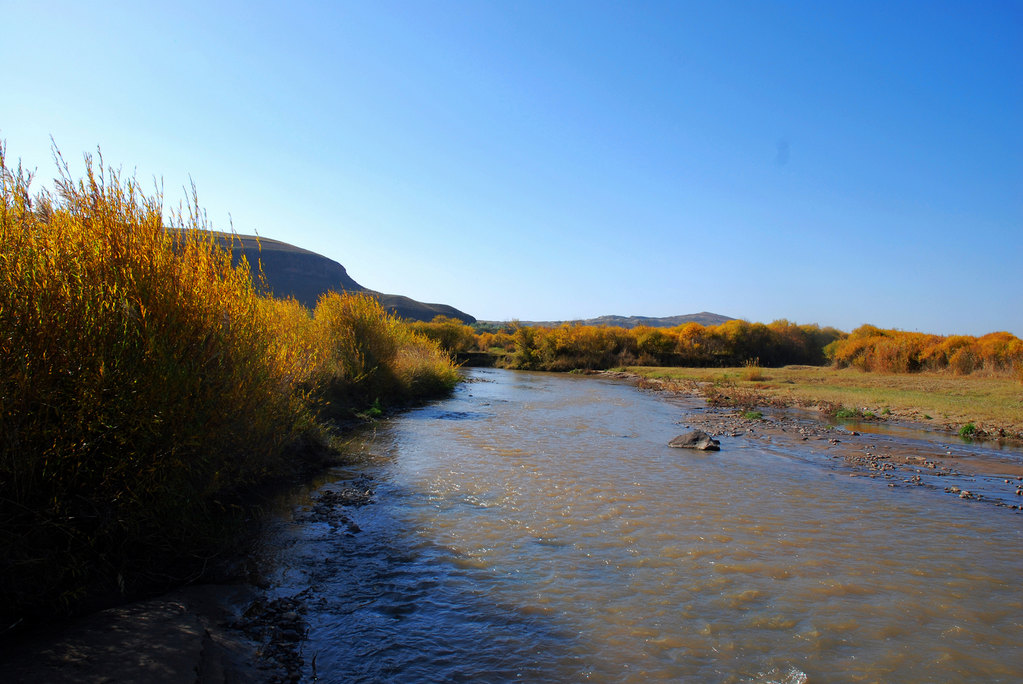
<point>357,334</point>
<point>144,383</point>
<point>896,351</point>
<point>137,381</point>
<point>453,335</point>
<point>369,355</point>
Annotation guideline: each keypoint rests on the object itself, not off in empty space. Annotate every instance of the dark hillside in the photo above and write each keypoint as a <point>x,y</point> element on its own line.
<point>294,272</point>
<point>291,271</point>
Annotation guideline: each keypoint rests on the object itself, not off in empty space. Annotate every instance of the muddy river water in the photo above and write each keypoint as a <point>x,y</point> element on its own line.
<point>536,527</point>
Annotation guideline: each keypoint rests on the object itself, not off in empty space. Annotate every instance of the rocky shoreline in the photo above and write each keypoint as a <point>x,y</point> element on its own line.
<point>962,470</point>
<point>207,634</point>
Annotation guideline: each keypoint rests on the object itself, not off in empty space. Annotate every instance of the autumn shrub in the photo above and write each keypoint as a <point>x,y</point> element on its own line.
<point>569,347</point>
<point>691,345</point>
<point>138,385</point>
<point>495,342</point>
<point>963,361</point>
<point>524,357</point>
<point>894,351</point>
<point>356,339</point>
<point>370,355</point>
<point>422,366</point>
<point>146,387</point>
<point>451,334</point>
<point>654,346</point>
<point>936,355</point>
<point>295,342</point>
<point>999,352</point>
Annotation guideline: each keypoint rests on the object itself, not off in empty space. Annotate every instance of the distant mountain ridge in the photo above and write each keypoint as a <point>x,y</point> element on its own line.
<point>291,271</point>
<point>703,318</point>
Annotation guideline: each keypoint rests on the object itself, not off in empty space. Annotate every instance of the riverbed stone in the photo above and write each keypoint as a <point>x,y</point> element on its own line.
<point>695,439</point>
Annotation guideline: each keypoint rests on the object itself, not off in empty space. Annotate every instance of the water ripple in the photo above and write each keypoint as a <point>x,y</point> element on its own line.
<point>554,537</point>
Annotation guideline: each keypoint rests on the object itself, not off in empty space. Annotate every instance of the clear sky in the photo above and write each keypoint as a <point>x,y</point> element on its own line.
<point>837,163</point>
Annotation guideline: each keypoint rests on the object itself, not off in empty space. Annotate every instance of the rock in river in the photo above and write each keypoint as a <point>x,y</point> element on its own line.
<point>697,439</point>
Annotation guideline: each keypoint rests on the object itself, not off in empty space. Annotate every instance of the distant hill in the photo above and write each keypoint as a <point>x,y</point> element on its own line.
<point>703,318</point>
<point>291,271</point>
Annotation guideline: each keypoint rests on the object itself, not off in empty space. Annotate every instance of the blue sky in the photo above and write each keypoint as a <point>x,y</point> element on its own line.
<point>837,163</point>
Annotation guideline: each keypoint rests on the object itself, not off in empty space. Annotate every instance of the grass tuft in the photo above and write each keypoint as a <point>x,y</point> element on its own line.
<point>968,431</point>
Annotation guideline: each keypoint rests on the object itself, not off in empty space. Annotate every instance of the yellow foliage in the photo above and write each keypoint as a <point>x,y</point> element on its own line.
<point>896,351</point>
<point>578,346</point>
<point>143,381</point>
<point>452,335</point>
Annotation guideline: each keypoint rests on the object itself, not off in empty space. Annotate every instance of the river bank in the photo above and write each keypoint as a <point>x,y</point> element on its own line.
<point>983,407</point>
<point>896,448</point>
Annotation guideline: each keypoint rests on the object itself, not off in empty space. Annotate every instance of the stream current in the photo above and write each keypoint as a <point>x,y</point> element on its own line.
<point>536,527</point>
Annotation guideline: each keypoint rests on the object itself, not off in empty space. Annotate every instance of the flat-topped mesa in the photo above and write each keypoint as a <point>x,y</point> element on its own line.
<point>291,271</point>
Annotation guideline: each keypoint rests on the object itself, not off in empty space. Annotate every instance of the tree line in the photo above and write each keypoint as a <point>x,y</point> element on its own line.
<point>734,343</point>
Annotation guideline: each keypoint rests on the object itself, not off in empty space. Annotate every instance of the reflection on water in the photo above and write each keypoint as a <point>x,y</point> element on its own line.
<point>537,527</point>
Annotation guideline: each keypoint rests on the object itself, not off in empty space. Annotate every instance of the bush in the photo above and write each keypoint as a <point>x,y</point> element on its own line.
<point>146,387</point>
<point>139,385</point>
<point>599,347</point>
<point>451,334</point>
<point>894,351</point>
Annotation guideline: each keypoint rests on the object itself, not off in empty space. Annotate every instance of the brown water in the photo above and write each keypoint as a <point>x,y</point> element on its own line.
<point>535,527</point>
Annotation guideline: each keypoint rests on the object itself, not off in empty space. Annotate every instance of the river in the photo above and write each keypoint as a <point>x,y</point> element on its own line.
<point>536,527</point>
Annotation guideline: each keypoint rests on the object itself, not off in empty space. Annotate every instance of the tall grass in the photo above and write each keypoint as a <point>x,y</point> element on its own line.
<point>145,385</point>
<point>369,355</point>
